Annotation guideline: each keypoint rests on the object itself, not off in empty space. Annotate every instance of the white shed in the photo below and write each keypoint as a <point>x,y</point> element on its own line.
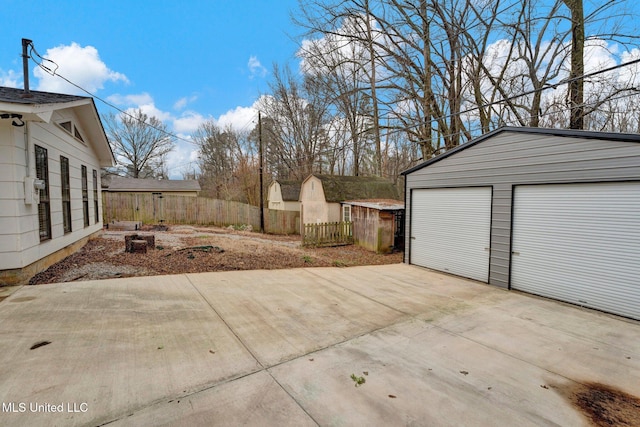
<point>284,195</point>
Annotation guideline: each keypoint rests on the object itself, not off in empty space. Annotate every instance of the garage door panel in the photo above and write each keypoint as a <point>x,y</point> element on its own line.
<point>451,229</point>
<point>579,243</point>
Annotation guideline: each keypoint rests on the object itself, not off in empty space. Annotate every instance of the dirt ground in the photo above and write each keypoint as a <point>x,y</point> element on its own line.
<point>185,249</point>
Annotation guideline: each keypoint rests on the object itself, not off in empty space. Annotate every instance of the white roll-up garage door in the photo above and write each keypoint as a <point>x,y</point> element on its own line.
<point>579,243</point>
<point>450,230</point>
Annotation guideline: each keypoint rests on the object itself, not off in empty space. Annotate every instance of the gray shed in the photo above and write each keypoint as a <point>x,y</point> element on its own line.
<point>547,211</point>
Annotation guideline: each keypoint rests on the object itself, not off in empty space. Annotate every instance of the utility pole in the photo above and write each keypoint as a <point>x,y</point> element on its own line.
<point>25,67</point>
<point>261,155</point>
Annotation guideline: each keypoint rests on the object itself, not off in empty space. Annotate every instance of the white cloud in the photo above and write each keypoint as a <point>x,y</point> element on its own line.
<point>9,78</point>
<point>151,110</point>
<point>188,122</point>
<point>184,101</point>
<point>256,69</point>
<point>240,118</point>
<point>81,65</point>
<point>142,101</point>
<point>131,99</point>
<point>185,155</point>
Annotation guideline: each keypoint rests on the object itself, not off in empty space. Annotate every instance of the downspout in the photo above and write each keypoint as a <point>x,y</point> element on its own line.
<point>27,158</point>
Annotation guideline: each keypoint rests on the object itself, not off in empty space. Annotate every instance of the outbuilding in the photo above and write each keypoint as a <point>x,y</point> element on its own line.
<point>378,224</point>
<point>551,212</point>
<point>321,196</point>
<point>284,195</point>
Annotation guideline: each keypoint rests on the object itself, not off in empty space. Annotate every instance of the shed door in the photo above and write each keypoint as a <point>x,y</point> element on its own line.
<point>450,230</point>
<point>579,243</point>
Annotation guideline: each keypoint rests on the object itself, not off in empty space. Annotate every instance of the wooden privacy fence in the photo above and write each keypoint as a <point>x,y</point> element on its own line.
<point>156,208</point>
<point>328,234</point>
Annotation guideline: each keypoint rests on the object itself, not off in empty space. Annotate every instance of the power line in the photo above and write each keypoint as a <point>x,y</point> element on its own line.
<point>53,72</point>
<point>346,145</point>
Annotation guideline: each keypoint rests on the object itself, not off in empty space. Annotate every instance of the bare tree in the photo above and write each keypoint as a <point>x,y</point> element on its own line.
<point>140,143</point>
<point>338,65</point>
<point>298,118</point>
<point>440,72</point>
<point>228,163</point>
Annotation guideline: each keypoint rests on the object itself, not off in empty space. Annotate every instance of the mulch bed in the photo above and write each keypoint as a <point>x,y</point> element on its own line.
<point>249,252</point>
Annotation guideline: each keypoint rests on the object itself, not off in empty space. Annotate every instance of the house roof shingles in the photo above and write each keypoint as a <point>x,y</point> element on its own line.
<point>16,96</point>
<point>119,183</point>
<point>340,188</point>
<point>38,106</point>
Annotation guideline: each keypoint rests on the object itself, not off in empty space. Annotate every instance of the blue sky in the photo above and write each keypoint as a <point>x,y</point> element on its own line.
<point>182,61</point>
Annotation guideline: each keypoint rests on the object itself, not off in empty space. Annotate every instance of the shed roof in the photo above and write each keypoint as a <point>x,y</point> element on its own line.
<point>339,188</point>
<point>571,133</point>
<point>119,183</point>
<point>379,204</point>
<point>290,190</point>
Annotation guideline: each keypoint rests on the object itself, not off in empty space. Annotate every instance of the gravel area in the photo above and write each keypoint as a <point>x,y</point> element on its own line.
<point>185,249</point>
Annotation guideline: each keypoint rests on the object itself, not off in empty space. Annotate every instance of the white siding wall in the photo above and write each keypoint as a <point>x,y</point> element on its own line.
<point>275,197</point>
<point>313,204</point>
<point>20,245</point>
<point>12,158</point>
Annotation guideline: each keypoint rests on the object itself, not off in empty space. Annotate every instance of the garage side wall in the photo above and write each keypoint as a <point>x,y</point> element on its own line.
<point>509,158</point>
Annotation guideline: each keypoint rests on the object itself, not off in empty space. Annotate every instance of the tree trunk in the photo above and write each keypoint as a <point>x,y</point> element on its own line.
<point>576,83</point>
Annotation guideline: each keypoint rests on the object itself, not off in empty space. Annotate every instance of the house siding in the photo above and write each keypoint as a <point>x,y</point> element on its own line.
<point>510,158</point>
<point>20,244</point>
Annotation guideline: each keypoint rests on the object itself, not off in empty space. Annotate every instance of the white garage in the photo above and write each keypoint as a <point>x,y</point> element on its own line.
<point>454,230</point>
<point>552,212</point>
<point>579,243</point>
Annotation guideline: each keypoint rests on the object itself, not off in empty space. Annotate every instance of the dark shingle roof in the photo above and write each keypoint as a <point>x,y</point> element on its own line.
<point>119,183</point>
<point>290,190</point>
<point>340,188</point>
<point>10,94</point>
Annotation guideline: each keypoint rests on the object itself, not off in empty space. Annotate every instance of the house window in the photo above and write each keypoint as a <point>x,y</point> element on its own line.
<point>77,134</point>
<point>66,194</point>
<point>95,196</point>
<point>66,126</point>
<point>72,129</point>
<point>44,208</point>
<point>346,213</point>
<point>85,196</point>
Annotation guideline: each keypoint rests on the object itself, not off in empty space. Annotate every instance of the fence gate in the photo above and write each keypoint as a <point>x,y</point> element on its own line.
<point>328,234</point>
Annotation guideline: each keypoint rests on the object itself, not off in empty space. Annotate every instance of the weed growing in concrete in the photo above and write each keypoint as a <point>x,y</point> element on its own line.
<point>358,380</point>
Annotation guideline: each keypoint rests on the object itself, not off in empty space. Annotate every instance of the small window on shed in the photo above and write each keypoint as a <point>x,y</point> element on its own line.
<point>346,213</point>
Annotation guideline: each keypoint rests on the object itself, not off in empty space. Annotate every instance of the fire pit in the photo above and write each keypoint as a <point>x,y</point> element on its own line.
<point>138,243</point>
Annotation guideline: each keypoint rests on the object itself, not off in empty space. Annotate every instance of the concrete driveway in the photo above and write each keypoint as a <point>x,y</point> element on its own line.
<point>280,347</point>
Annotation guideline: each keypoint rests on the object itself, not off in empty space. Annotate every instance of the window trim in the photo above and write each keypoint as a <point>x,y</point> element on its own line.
<point>73,130</point>
<point>85,195</point>
<point>44,205</point>
<point>95,197</point>
<point>65,190</point>
<point>346,208</point>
